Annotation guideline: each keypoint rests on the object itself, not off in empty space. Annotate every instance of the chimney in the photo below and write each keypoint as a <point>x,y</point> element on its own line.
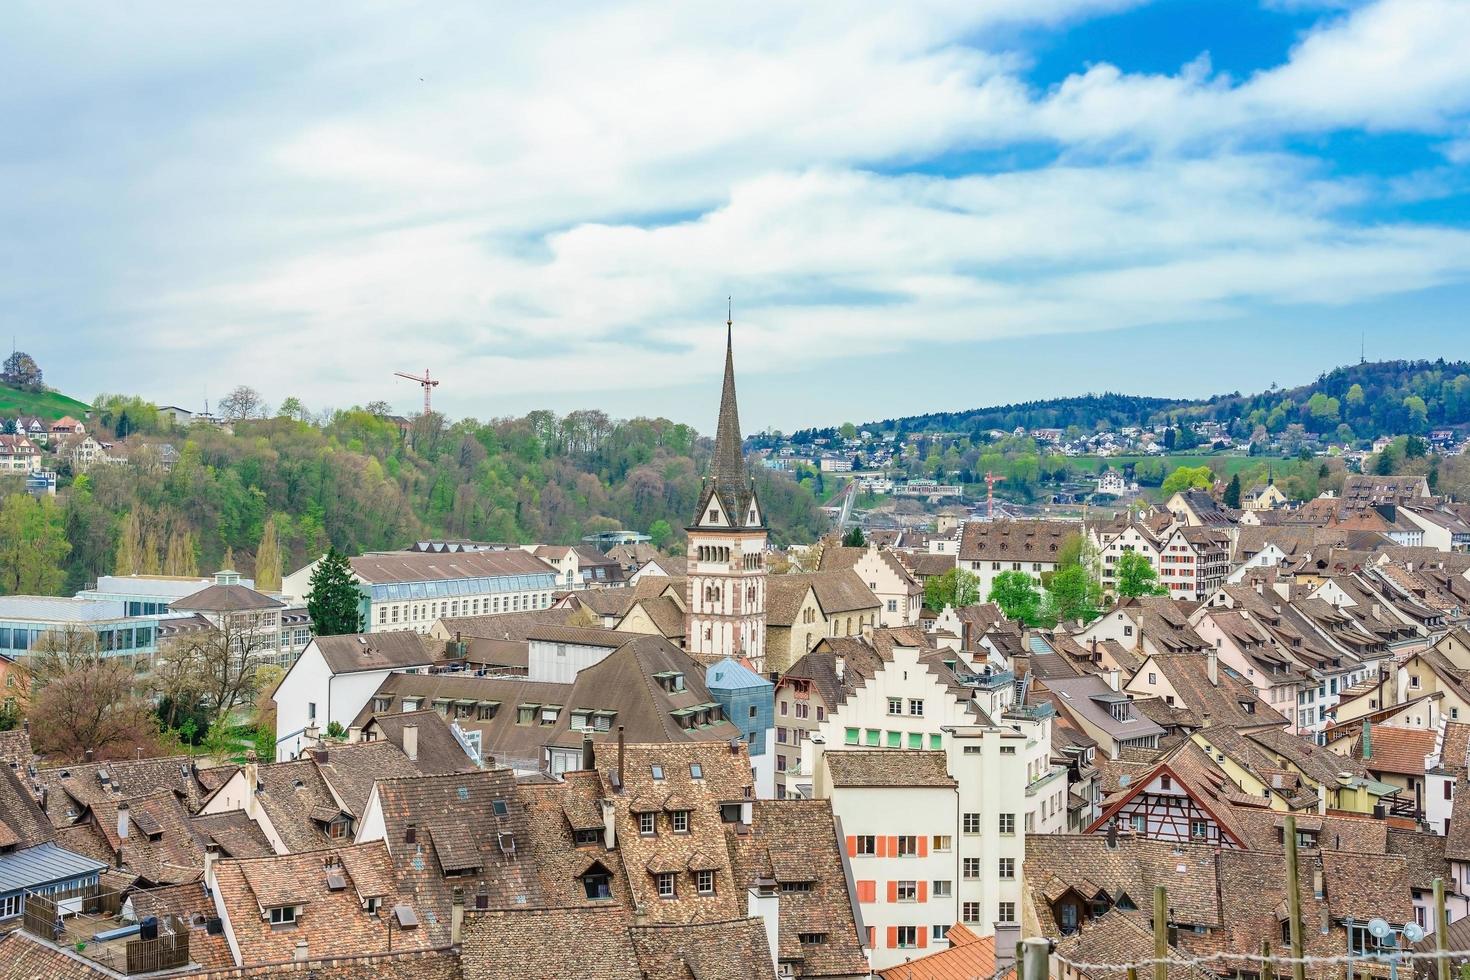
<point>589,756</point>
<point>87,756</point>
<point>411,742</point>
<point>312,733</point>
<point>1113,834</point>
<point>122,821</point>
<point>1377,611</point>
<point>354,734</point>
<point>1007,938</point>
<point>1096,657</point>
<point>252,782</point>
<point>1212,664</point>
<point>140,751</point>
<point>303,952</point>
<point>1260,587</point>
<point>764,902</point>
<point>1367,740</point>
<point>211,855</point>
<point>1317,883</point>
<point>620,758</point>
<point>1115,679</point>
<point>456,916</point>
<point>609,825</point>
<point>839,666</point>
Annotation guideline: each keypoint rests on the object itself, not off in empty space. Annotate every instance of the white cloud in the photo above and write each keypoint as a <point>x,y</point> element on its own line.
<point>564,200</point>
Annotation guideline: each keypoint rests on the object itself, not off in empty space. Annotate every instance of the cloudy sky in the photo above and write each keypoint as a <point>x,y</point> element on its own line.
<point>915,206</point>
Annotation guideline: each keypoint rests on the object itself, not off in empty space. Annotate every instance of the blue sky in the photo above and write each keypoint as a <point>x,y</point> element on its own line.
<point>922,206</point>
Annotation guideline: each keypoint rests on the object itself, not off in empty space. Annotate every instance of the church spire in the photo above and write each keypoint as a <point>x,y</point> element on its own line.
<point>728,468</point>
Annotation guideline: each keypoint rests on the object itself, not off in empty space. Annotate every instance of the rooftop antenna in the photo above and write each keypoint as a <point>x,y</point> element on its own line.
<point>1363,347</point>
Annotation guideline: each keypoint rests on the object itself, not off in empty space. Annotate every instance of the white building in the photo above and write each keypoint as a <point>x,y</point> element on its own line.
<point>334,677</point>
<point>411,590</point>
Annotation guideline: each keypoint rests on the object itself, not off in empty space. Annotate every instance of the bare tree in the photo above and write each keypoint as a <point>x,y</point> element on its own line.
<point>84,700</point>
<point>222,659</point>
<point>243,403</point>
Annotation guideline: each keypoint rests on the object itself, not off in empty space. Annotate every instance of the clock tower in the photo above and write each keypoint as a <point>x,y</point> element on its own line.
<point>726,601</point>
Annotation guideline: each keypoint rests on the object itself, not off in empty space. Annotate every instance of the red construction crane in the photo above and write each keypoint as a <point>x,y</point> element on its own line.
<point>990,481</point>
<point>427,383</point>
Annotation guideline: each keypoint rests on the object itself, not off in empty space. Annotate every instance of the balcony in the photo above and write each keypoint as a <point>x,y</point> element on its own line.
<point>994,681</point>
<point>1031,712</point>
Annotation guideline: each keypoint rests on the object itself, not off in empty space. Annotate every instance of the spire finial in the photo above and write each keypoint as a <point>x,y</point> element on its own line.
<point>729,319</point>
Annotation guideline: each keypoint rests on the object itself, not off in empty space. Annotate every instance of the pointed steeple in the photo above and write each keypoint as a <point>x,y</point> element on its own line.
<point>728,468</point>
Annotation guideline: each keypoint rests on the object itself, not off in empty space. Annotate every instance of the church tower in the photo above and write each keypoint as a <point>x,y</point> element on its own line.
<point>727,547</point>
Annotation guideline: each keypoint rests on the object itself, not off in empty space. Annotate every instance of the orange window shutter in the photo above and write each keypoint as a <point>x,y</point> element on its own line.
<point>893,891</point>
<point>923,847</point>
<point>893,937</point>
<point>881,843</point>
<point>872,937</point>
<point>923,938</point>
<point>852,847</point>
<point>923,891</point>
<point>893,847</point>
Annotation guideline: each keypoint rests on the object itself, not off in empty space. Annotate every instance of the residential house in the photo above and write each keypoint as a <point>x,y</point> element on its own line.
<point>899,593</point>
<point>19,455</point>
<point>989,548</point>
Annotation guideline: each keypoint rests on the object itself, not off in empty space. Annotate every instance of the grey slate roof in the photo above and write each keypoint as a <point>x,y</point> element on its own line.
<point>41,865</point>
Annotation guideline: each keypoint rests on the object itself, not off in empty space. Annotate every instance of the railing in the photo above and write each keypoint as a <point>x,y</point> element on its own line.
<point>990,682</point>
<point>170,951</point>
<point>1031,712</point>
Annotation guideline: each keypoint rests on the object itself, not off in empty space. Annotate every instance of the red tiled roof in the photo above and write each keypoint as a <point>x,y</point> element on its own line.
<point>1396,750</point>
<point>968,956</point>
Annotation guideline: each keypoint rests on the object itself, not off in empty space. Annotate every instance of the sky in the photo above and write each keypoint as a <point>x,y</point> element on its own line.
<point>912,207</point>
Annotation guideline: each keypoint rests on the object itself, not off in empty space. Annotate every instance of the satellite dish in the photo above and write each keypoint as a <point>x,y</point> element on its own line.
<point>1413,932</point>
<point>1379,929</point>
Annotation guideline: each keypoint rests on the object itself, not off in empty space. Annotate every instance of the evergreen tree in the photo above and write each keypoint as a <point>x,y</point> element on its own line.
<point>334,600</point>
<point>268,559</point>
<point>1232,492</point>
<point>854,538</point>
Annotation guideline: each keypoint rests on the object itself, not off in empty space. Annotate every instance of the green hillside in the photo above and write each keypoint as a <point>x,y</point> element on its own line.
<point>45,404</point>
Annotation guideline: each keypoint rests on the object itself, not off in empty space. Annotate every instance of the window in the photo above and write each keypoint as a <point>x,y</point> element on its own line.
<point>1007,912</point>
<point>311,710</point>
<point>284,915</point>
<point>908,847</point>
<point>895,740</point>
<point>1007,823</point>
<point>812,938</point>
<point>972,823</point>
<point>916,740</point>
<point>851,736</point>
<point>797,886</point>
<point>867,846</point>
<point>585,837</point>
<point>657,771</point>
<point>1007,869</point>
<point>696,771</point>
<point>972,867</point>
<point>597,883</point>
<point>895,706</point>
<point>665,882</point>
<point>1198,830</point>
<point>908,891</point>
<point>941,843</point>
<point>1153,678</point>
<point>1165,782</point>
<point>970,913</point>
<point>780,735</point>
<point>907,937</point>
<point>916,706</point>
<point>646,824</point>
<point>681,821</point>
<point>872,735</point>
<point>940,931</point>
<point>936,741</point>
<point>1140,823</point>
<point>704,882</point>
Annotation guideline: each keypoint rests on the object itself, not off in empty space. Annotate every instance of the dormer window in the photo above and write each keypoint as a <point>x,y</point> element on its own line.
<point>714,515</point>
<point>680,821</point>
<point>283,915</point>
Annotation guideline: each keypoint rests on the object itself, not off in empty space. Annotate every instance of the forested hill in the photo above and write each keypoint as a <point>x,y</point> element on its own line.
<point>359,482</point>
<point>1362,401</point>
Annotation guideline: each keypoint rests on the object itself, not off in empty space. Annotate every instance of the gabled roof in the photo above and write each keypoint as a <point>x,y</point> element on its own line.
<point>888,768</point>
<point>226,599</point>
<point>355,652</point>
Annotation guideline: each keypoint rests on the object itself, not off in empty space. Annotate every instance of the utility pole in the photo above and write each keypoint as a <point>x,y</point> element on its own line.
<point>1294,901</point>
<point>1161,933</point>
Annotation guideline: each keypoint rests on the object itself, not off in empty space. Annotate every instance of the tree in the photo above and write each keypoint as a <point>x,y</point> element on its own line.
<point>129,545</point>
<point>661,532</point>
<point>1072,593</point>
<point>1137,576</point>
<point>291,408</point>
<point>85,701</point>
<point>378,408</point>
<point>224,659</point>
<point>1188,478</point>
<point>334,600</point>
<point>33,546</point>
<point>1415,448</point>
<point>956,588</point>
<point>181,559</point>
<point>243,403</point>
<point>1016,594</point>
<point>268,558</point>
<point>1232,492</point>
<point>854,538</point>
<point>22,371</point>
<point>1383,463</point>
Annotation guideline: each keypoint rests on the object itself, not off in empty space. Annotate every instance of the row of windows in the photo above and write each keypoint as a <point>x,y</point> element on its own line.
<point>915,705</point>
<point>448,588</point>
<point>801,709</point>
<point>876,738</point>
<point>667,883</point>
<point>430,611</point>
<point>1006,823</point>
